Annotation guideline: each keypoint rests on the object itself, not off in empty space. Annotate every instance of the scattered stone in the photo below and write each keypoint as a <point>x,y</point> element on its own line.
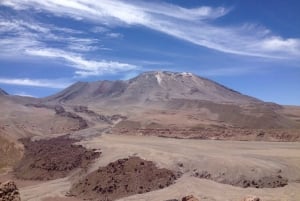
<point>189,198</point>
<point>105,118</point>
<point>270,181</point>
<point>9,192</point>
<point>60,111</point>
<point>252,198</point>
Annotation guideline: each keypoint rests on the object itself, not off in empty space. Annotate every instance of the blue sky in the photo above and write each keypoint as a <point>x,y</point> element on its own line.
<point>251,46</point>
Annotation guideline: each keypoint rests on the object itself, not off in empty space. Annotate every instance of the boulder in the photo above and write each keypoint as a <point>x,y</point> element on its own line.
<point>190,198</point>
<point>252,198</point>
<point>9,191</point>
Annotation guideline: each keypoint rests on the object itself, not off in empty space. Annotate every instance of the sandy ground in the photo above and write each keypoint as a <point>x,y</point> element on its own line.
<point>229,157</point>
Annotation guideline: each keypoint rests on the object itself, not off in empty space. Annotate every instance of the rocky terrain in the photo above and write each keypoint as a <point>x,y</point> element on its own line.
<point>186,198</point>
<point>162,135</point>
<point>99,117</point>
<point>214,133</point>
<point>123,178</point>
<point>53,158</point>
<point>270,181</point>
<point>9,191</point>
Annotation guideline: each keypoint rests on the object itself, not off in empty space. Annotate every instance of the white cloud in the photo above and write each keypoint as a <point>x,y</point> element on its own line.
<point>23,94</point>
<point>28,39</point>
<point>57,84</point>
<point>18,35</point>
<point>114,35</point>
<point>87,67</point>
<point>277,43</point>
<point>192,25</point>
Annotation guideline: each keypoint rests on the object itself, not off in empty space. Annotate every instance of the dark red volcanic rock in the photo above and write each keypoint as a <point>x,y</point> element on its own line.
<point>9,191</point>
<point>269,181</point>
<point>53,158</point>
<point>189,198</point>
<point>122,178</point>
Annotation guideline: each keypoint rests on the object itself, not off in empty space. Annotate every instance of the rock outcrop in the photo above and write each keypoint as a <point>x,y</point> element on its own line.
<point>252,198</point>
<point>190,198</point>
<point>53,158</point>
<point>99,117</point>
<point>123,178</point>
<point>59,110</point>
<point>267,181</point>
<point>9,192</point>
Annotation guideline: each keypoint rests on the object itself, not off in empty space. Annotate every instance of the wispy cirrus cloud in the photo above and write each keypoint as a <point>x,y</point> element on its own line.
<point>193,25</point>
<point>23,38</point>
<point>18,35</point>
<point>85,67</point>
<point>56,84</point>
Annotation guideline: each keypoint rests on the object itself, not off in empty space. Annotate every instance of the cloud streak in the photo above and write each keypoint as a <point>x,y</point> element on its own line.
<point>56,84</point>
<point>86,67</point>
<point>23,39</point>
<point>24,94</point>
<point>193,25</point>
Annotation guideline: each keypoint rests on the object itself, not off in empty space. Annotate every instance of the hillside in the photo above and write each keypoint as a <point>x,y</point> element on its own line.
<point>150,86</point>
<point>166,99</point>
<point>2,92</point>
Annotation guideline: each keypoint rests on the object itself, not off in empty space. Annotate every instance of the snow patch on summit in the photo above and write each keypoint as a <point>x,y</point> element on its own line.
<point>186,73</point>
<point>158,78</point>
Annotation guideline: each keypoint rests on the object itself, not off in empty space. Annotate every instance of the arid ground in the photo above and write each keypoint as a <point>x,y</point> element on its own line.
<point>226,161</point>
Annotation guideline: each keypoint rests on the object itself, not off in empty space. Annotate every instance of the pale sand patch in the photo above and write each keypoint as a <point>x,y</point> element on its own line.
<point>54,188</point>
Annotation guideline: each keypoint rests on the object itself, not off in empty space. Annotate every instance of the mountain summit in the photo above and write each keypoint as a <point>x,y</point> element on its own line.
<point>151,86</point>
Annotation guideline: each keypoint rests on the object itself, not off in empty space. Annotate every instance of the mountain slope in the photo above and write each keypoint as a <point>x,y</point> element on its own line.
<point>164,99</point>
<point>151,86</point>
<point>2,92</point>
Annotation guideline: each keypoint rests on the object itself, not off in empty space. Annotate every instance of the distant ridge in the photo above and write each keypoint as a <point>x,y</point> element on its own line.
<point>151,86</point>
<point>2,92</point>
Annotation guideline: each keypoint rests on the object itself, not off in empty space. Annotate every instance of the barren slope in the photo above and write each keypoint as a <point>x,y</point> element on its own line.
<point>150,86</point>
<point>153,97</point>
<point>2,92</point>
<point>20,121</point>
